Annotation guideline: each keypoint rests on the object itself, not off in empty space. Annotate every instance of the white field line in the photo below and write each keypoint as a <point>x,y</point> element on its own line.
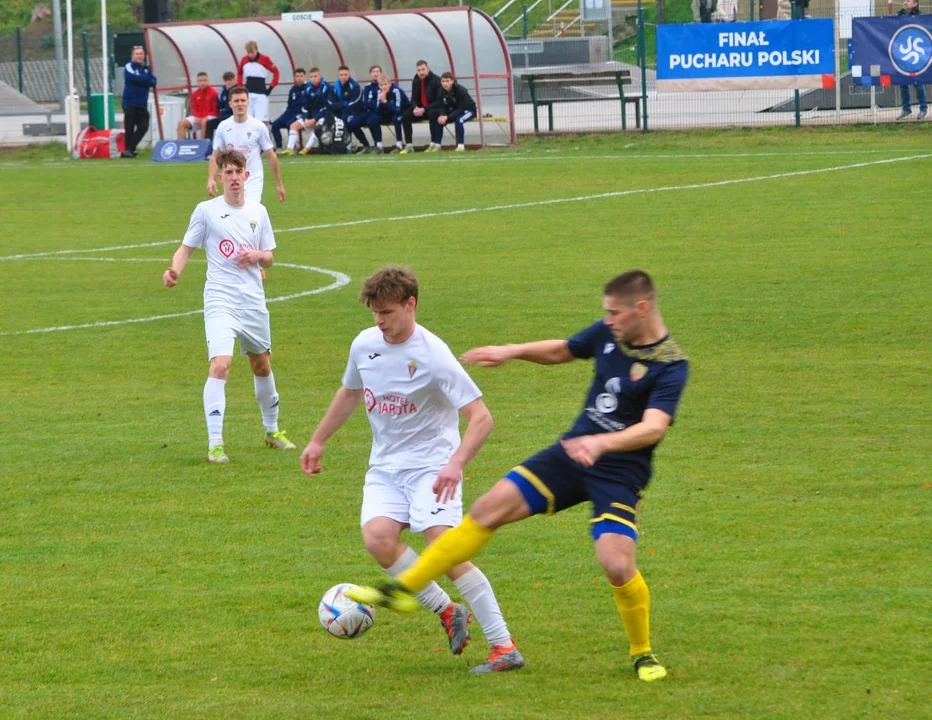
<point>513,206</point>
<point>339,280</point>
<point>505,156</point>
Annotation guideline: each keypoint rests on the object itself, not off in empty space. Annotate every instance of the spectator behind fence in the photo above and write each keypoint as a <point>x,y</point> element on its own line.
<point>456,108</point>
<point>293,110</point>
<point>392,103</point>
<point>223,104</point>
<point>425,94</point>
<point>911,7</point>
<point>253,73</point>
<point>137,80</point>
<point>317,96</point>
<point>203,102</point>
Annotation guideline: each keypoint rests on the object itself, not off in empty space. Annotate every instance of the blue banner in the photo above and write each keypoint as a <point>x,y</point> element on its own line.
<point>746,55</point>
<point>891,50</point>
<point>181,151</point>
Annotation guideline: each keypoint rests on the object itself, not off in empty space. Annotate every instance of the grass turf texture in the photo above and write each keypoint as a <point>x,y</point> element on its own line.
<point>785,535</point>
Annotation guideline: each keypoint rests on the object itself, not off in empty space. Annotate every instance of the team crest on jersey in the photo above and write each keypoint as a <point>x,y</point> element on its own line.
<point>638,370</point>
<point>412,368</point>
<point>370,400</point>
<point>227,247</point>
<point>248,134</point>
<point>230,146</point>
<point>252,224</point>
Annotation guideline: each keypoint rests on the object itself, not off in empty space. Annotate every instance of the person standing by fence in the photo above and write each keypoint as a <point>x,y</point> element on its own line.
<point>911,7</point>
<point>137,81</point>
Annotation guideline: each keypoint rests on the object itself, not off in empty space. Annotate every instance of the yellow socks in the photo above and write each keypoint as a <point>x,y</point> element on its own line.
<point>456,545</point>
<point>633,602</point>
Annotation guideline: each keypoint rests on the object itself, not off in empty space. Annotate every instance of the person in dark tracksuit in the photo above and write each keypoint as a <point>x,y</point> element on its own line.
<point>316,105</point>
<point>425,96</point>
<point>137,80</point>
<point>346,102</point>
<point>392,103</point>
<point>223,104</point>
<point>456,108</point>
<point>911,7</point>
<point>292,110</point>
<point>370,110</point>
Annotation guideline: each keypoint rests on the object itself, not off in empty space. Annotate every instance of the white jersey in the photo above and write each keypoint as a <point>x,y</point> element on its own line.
<point>223,230</point>
<point>250,137</point>
<point>413,392</point>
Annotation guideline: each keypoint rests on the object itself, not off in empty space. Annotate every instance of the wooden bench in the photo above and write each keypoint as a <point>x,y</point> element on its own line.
<point>539,83</point>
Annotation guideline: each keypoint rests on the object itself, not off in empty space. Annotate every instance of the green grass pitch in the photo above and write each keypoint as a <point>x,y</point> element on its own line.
<point>785,534</point>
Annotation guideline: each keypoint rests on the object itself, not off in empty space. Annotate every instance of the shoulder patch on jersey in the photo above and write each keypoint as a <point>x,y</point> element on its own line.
<point>666,352</point>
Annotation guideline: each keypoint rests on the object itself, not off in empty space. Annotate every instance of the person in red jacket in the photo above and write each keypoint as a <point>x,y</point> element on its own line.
<point>203,103</point>
<point>252,73</point>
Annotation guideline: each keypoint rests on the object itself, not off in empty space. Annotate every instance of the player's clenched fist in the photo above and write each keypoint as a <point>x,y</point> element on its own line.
<point>170,278</point>
<point>211,187</point>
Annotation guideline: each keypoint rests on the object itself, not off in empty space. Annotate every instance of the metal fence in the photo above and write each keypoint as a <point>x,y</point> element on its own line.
<point>627,45</point>
<point>29,66</point>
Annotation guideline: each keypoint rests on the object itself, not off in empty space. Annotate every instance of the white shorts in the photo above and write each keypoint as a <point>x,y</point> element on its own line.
<point>253,190</point>
<point>223,326</point>
<point>407,496</point>
<point>259,106</point>
<point>191,120</point>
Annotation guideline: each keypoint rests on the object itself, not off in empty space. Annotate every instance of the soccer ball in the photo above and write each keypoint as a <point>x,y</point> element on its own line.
<point>344,618</point>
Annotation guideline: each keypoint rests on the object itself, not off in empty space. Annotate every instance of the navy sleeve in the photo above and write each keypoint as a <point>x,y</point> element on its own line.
<point>668,388</point>
<point>583,344</point>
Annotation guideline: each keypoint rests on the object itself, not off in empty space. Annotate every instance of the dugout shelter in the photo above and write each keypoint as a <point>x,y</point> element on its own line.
<point>461,40</point>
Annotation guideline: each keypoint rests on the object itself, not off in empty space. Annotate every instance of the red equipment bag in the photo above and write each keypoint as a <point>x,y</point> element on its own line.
<point>101,144</point>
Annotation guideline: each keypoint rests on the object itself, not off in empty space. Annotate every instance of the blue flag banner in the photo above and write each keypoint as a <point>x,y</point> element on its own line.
<point>181,151</point>
<point>892,50</point>
<point>746,55</point>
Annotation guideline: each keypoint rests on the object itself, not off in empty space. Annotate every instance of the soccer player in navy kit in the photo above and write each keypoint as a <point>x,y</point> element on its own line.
<point>640,373</point>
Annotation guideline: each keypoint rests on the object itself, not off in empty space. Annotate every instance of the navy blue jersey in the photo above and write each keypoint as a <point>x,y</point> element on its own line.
<point>628,379</point>
<point>370,97</point>
<point>296,99</point>
<point>223,104</point>
<point>316,99</point>
<point>346,97</point>
<point>395,101</point>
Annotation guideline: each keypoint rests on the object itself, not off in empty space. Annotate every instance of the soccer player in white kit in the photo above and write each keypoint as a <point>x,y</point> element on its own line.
<point>414,390</point>
<point>236,235</point>
<point>250,137</point>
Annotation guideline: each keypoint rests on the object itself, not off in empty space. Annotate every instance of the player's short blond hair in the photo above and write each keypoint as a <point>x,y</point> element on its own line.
<point>388,285</point>
<point>252,45</point>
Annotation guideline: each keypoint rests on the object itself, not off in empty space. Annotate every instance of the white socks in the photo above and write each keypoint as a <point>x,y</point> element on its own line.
<point>475,588</point>
<point>292,139</point>
<point>268,402</point>
<point>313,142</point>
<point>215,406</point>
<point>433,597</point>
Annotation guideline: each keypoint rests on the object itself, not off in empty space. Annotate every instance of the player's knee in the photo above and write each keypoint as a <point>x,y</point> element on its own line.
<point>220,367</point>
<point>381,543</point>
<point>617,556</point>
<point>260,364</point>
<point>501,505</point>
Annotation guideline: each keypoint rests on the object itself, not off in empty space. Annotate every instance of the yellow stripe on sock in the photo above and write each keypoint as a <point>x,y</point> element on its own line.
<point>539,486</point>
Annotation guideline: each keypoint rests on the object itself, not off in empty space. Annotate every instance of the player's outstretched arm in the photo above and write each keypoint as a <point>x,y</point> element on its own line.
<point>542,352</point>
<point>179,260</point>
<point>342,406</point>
<point>478,429</point>
<point>587,449</point>
<point>276,169</point>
